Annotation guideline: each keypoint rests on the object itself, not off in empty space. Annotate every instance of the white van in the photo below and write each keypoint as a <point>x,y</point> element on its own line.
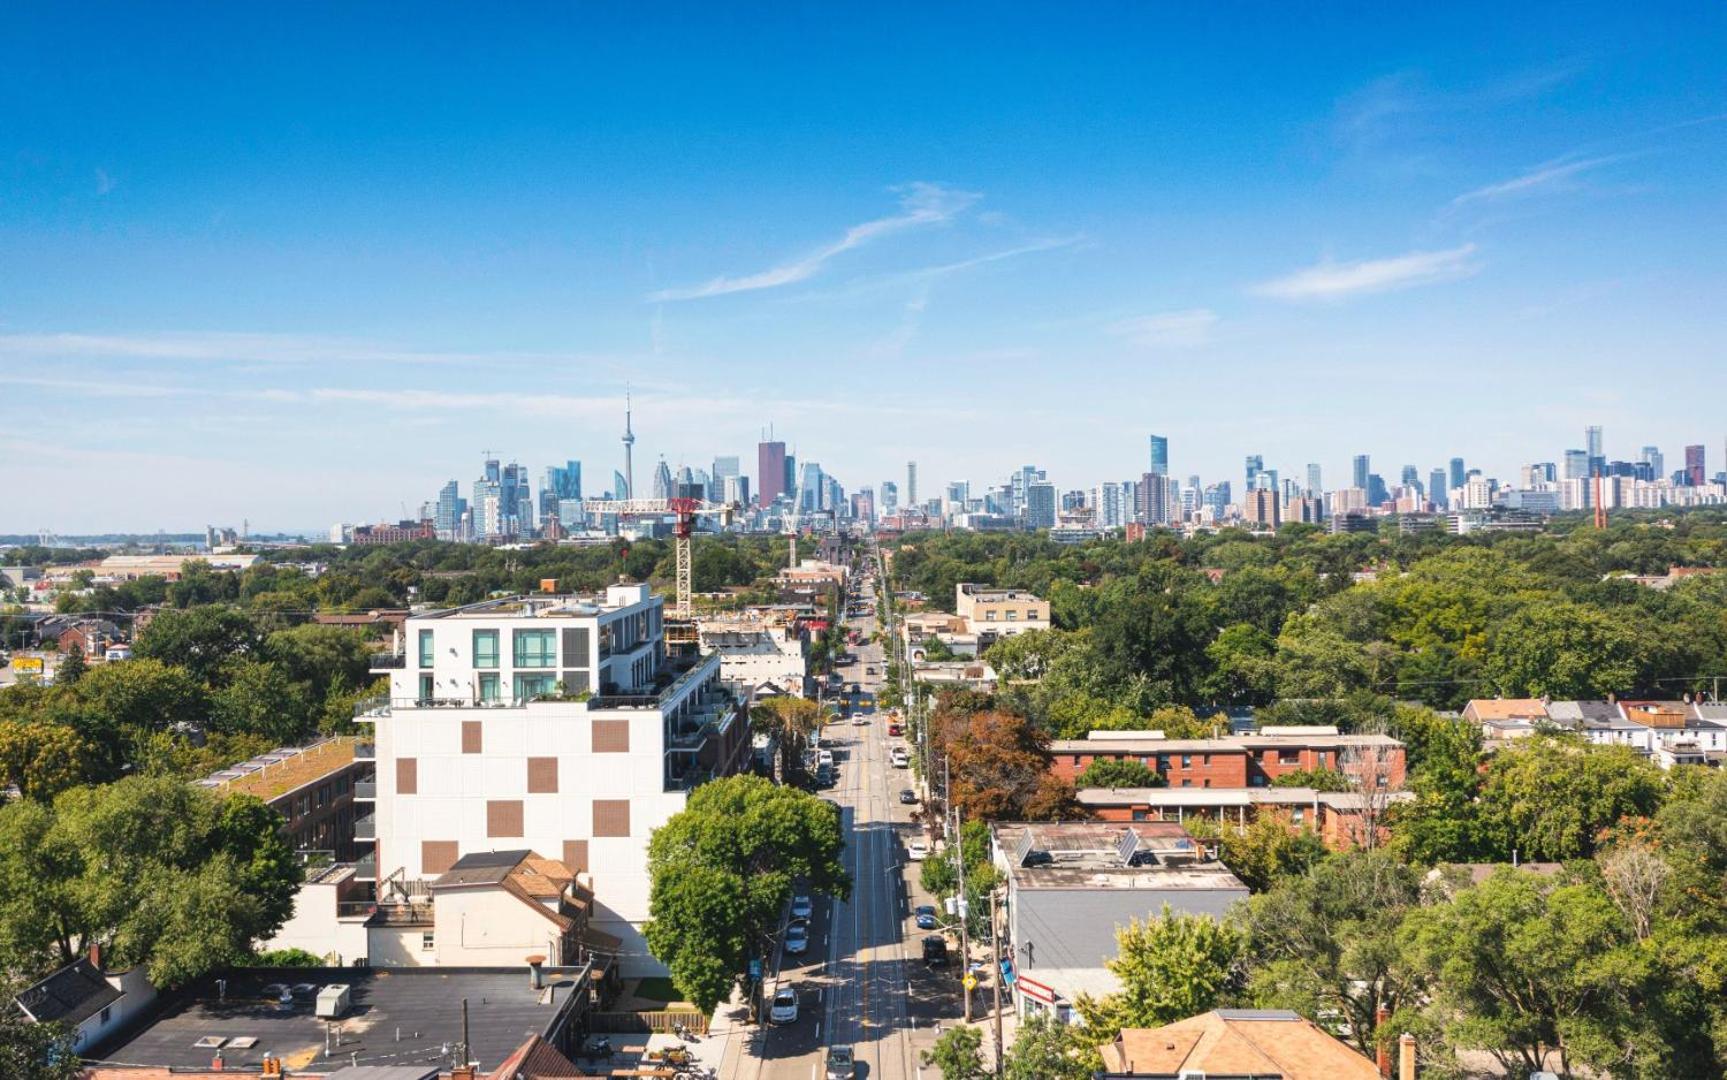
<point>901,759</point>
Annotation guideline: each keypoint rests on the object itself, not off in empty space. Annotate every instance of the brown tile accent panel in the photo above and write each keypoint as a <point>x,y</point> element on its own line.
<point>576,855</point>
<point>542,775</point>
<point>471,743</point>
<point>611,736</point>
<point>611,817</point>
<point>407,776</point>
<point>436,856</point>
<point>503,817</point>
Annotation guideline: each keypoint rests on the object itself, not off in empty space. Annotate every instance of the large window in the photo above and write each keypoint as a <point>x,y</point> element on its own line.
<point>536,648</point>
<point>426,688</point>
<point>427,655</point>
<point>485,648</point>
<point>489,686</point>
<point>529,687</point>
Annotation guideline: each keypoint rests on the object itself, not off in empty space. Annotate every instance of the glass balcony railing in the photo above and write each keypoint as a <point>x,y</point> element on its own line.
<point>366,867</point>
<point>365,751</point>
<point>366,828</point>
<point>366,791</point>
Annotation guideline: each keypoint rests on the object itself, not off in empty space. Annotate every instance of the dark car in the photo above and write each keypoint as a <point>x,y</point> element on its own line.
<point>908,797</point>
<point>935,951</point>
<point>925,916</point>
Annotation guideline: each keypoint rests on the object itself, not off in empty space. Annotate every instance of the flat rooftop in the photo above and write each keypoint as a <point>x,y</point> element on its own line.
<point>272,775</point>
<point>546,605</point>
<point>1108,855</point>
<point>398,1016</point>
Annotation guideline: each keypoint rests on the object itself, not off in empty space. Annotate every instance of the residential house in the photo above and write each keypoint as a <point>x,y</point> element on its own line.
<point>1261,1044</point>
<point>86,997</point>
<point>1235,761</point>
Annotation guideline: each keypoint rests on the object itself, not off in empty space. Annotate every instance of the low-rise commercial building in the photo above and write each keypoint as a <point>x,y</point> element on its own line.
<point>998,613</point>
<point>758,653</point>
<point>1071,885</point>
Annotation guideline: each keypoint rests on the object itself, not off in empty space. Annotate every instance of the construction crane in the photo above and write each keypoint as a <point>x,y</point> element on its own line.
<point>685,511</point>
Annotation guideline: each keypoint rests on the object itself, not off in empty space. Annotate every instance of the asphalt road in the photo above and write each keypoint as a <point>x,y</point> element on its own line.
<point>863,983</point>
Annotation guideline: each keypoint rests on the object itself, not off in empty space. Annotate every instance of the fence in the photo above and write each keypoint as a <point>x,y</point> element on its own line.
<point>660,1021</point>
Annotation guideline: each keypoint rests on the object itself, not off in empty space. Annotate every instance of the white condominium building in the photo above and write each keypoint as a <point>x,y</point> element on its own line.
<point>556,724</point>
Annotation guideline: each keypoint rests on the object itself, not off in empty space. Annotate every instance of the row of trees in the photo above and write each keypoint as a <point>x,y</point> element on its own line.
<point>209,686</point>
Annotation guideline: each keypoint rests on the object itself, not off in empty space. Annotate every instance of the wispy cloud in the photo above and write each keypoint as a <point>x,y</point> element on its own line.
<point>261,348</point>
<point>104,182</point>
<point>921,204</point>
<point>1340,281</point>
<point>1168,330</point>
<point>1558,175</point>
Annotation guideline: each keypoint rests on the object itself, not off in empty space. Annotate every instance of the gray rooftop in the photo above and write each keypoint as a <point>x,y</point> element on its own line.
<point>399,1017</point>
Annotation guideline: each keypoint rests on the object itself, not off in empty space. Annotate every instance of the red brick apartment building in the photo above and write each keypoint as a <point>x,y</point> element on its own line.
<point>1233,761</point>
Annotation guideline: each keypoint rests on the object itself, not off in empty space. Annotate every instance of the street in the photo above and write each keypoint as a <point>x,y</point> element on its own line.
<point>863,983</point>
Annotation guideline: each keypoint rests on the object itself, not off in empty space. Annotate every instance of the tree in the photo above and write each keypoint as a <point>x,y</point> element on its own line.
<point>1567,650</point>
<point>1325,943</point>
<point>792,720</point>
<point>1267,850</point>
<point>958,1053</point>
<point>1317,779</point>
<point>1551,796</point>
<point>203,640</point>
<point>722,869</point>
<point>1170,968</point>
<point>43,759</point>
<point>1119,773</point>
<point>1525,966</point>
<point>1047,1050</point>
<point>72,668</point>
<point>999,769</point>
<point>171,876</point>
<point>260,698</point>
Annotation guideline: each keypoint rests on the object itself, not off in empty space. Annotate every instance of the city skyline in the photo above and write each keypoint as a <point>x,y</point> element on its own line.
<point>322,291</point>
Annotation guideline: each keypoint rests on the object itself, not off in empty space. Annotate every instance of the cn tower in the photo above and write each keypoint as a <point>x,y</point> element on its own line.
<point>629,444</point>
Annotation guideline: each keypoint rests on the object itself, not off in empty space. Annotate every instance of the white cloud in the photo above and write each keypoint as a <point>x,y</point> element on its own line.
<point>1168,330</point>
<point>1553,176</point>
<point>920,204</point>
<point>226,347</point>
<point>104,182</point>
<point>1340,281</point>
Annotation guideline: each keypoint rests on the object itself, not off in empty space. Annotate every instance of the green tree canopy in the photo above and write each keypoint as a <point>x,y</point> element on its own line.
<point>1119,773</point>
<point>1170,968</point>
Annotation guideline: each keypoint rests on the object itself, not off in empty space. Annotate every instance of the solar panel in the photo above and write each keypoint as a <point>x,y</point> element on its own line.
<point>1126,846</point>
<point>1027,843</point>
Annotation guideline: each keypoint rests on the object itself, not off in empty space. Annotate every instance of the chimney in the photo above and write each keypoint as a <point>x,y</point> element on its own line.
<point>1382,1052</point>
<point>1406,1056</point>
<point>536,973</point>
<point>466,1072</point>
<point>96,955</point>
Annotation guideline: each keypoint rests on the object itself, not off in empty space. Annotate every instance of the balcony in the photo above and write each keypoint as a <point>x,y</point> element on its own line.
<point>366,828</point>
<point>366,867</point>
<point>365,751</point>
<point>388,661</point>
<point>355,909</point>
<point>366,791</point>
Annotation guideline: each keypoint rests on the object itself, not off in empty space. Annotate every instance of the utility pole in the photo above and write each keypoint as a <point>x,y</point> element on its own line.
<point>956,847</point>
<point>995,976</point>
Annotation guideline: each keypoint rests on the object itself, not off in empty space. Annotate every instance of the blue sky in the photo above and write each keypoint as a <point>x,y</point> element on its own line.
<point>301,264</point>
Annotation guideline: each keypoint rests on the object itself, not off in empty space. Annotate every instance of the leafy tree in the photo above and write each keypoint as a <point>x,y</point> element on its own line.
<point>1119,773</point>
<point>1317,779</point>
<point>1266,851</point>
<point>203,640</point>
<point>260,699</point>
<point>792,720</point>
<point>723,868</point>
<point>1568,650</point>
<point>1550,797</point>
<point>1524,964</point>
<point>958,1053</point>
<point>44,759</point>
<point>999,769</point>
<point>940,876</point>
<point>287,958</point>
<point>321,658</point>
<point>170,875</point>
<point>1170,968</point>
<point>1047,1050</point>
<point>1325,943</point>
<point>72,668</point>
<point>1243,668</point>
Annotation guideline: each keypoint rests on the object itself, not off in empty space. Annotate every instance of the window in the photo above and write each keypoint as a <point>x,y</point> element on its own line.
<point>426,653</point>
<point>989,616</point>
<point>1012,615</point>
<point>1163,763</point>
<point>489,686</point>
<point>1289,757</point>
<point>529,687</point>
<point>426,686</point>
<point>536,648</point>
<point>1187,761</point>
<point>1321,759</point>
<point>428,941</point>
<point>1139,815</point>
<point>485,648</point>
<point>1297,814</point>
<point>1187,783</point>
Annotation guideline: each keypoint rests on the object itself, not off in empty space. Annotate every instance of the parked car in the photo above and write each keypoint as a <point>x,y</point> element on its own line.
<point>935,950</point>
<point>797,939</point>
<point>917,851</point>
<point>785,1007</point>
<point>842,1064</point>
<point>926,917</point>
<point>908,797</point>
<point>802,907</point>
